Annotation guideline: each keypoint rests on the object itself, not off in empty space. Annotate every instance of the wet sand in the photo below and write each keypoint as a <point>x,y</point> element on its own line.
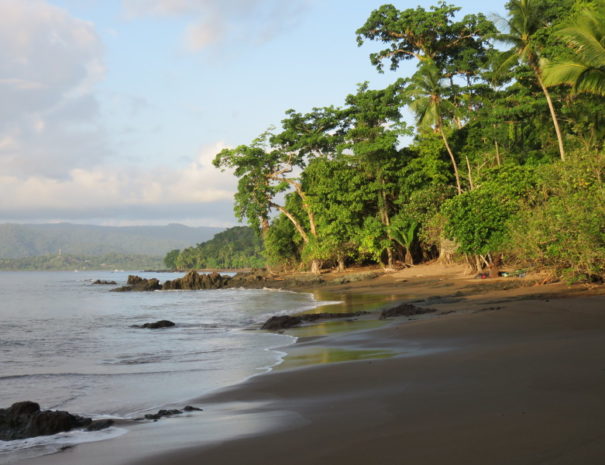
<point>515,375</point>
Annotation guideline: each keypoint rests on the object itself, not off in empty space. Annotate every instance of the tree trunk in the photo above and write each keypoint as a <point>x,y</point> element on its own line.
<point>451,154</point>
<point>315,266</point>
<point>389,258</point>
<point>470,174</point>
<point>384,213</point>
<point>409,260</point>
<point>553,114</point>
<point>341,263</point>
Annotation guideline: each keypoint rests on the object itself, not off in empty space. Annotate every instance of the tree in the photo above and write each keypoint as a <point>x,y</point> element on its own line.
<point>426,91</point>
<point>271,165</point>
<point>375,125</point>
<point>526,19</point>
<point>428,36</point>
<point>170,259</point>
<point>585,72</point>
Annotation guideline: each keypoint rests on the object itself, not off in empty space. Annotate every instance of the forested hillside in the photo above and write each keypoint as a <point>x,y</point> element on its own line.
<point>506,163</point>
<point>238,247</point>
<point>29,240</point>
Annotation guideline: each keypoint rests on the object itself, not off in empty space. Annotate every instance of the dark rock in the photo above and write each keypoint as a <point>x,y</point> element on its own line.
<point>98,425</point>
<point>195,281</point>
<point>404,310</point>
<point>25,419</point>
<point>189,408</point>
<point>100,281</point>
<point>277,323</point>
<point>136,283</point>
<point>157,324</point>
<point>162,413</point>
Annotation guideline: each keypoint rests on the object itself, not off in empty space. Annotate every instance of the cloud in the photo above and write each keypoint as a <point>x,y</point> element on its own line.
<point>105,191</point>
<point>213,22</point>
<point>49,65</point>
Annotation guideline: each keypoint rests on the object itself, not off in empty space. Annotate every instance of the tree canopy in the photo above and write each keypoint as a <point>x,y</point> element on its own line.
<point>499,146</point>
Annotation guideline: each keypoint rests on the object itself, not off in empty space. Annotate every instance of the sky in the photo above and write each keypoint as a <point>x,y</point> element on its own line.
<point>111,111</point>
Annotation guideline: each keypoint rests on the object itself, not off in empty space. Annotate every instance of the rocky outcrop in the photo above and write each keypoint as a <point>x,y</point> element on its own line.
<point>195,281</point>
<point>404,310</point>
<point>278,323</point>
<point>156,324</point>
<point>104,282</point>
<point>25,420</point>
<point>136,283</point>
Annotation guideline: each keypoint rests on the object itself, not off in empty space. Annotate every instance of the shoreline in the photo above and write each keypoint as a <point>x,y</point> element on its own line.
<point>336,404</point>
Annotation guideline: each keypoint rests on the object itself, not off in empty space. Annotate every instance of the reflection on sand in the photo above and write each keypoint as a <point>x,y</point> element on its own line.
<point>321,355</point>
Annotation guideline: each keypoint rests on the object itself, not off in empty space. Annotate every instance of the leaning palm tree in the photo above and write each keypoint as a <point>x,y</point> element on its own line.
<point>525,19</point>
<point>426,91</point>
<point>585,72</point>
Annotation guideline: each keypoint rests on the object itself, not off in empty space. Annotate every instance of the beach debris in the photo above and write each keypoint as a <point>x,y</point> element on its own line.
<point>104,282</point>
<point>156,325</point>
<point>277,323</point>
<point>405,310</point>
<point>25,420</point>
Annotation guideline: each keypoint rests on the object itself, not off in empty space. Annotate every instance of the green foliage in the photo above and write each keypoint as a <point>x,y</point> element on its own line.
<point>237,247</point>
<point>484,169</point>
<point>282,247</point>
<point>565,234</point>
<point>170,259</point>
<point>585,70</point>
<point>68,262</point>
<point>477,220</point>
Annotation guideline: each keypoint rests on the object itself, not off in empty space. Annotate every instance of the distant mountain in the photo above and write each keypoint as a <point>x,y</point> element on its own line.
<point>29,240</point>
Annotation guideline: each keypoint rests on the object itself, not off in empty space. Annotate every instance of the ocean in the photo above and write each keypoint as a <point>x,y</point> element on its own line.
<point>71,345</point>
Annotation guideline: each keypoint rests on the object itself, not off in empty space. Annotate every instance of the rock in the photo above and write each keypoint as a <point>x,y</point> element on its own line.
<point>277,323</point>
<point>189,408</point>
<point>404,310</point>
<point>136,283</point>
<point>157,324</point>
<point>100,281</point>
<point>25,419</point>
<point>162,413</point>
<point>195,281</point>
<point>98,425</point>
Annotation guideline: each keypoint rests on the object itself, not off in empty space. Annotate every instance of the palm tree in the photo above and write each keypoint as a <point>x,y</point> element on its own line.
<point>585,72</point>
<point>525,19</point>
<point>426,90</point>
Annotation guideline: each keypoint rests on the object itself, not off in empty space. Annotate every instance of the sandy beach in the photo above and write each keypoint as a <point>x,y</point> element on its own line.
<point>506,372</point>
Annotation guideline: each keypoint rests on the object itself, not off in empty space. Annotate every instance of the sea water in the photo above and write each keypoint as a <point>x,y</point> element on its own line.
<point>69,344</point>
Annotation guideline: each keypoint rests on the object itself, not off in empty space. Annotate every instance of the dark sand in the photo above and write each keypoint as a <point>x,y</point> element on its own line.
<point>516,375</point>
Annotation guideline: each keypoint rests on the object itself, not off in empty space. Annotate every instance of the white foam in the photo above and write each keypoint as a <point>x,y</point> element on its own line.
<point>20,449</point>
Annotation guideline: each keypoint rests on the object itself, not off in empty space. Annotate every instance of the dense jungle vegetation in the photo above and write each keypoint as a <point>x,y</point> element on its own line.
<point>238,247</point>
<point>505,164</point>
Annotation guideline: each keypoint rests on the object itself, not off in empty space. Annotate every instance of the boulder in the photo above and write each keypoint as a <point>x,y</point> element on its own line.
<point>104,282</point>
<point>195,281</point>
<point>157,324</point>
<point>136,283</point>
<point>162,413</point>
<point>25,420</point>
<point>277,323</point>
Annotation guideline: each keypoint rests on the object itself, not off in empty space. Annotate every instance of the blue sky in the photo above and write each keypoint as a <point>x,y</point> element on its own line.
<point>113,109</point>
